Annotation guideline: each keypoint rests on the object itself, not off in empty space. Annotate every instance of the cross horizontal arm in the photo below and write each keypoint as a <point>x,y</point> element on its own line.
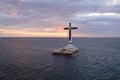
<point>71,28</point>
<point>74,28</point>
<point>66,28</point>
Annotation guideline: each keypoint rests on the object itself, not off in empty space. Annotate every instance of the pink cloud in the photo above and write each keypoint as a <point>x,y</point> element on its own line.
<point>22,1</point>
<point>14,13</point>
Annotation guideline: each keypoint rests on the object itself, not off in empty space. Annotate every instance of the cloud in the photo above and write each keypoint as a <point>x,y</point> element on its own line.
<point>98,15</point>
<point>22,1</point>
<point>112,2</point>
<point>93,17</point>
<point>4,15</point>
<point>14,13</point>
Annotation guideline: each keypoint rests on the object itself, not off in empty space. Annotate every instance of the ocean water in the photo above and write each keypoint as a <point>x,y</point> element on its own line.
<point>31,59</point>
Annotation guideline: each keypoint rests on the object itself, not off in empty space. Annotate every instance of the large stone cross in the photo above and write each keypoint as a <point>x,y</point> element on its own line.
<point>70,32</point>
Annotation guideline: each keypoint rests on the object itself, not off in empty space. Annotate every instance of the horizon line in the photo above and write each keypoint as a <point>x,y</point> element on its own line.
<point>56,37</point>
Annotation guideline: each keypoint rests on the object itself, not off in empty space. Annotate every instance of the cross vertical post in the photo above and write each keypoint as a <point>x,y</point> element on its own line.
<point>70,35</point>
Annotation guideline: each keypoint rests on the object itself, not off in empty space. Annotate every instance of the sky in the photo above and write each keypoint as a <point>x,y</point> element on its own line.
<point>47,18</point>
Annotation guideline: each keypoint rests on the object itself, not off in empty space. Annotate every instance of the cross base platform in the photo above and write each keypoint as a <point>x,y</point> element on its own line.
<point>67,50</point>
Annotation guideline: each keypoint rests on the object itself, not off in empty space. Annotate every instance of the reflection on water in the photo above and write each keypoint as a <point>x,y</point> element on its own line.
<point>31,59</point>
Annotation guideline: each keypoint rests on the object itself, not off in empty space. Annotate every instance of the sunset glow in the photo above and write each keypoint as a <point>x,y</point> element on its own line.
<point>24,33</point>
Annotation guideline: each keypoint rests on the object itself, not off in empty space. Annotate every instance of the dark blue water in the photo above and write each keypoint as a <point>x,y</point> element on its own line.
<point>31,59</point>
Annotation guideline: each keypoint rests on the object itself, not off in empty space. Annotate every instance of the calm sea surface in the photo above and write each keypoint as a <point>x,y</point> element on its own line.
<point>31,59</point>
